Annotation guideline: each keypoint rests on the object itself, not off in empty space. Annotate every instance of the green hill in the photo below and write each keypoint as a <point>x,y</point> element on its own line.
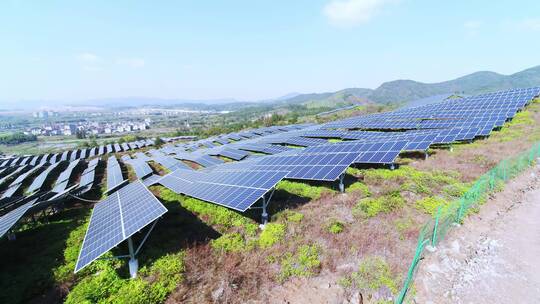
<point>408,90</point>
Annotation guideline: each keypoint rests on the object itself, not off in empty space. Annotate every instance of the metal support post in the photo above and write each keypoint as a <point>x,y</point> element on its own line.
<point>392,166</point>
<point>133,263</point>
<point>426,155</point>
<point>11,236</point>
<point>341,185</point>
<point>264,213</point>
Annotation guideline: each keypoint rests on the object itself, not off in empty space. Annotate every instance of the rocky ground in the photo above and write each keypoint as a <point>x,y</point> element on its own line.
<point>494,256</point>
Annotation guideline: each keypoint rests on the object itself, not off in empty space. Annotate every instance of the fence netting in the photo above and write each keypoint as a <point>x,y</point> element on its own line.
<point>436,228</point>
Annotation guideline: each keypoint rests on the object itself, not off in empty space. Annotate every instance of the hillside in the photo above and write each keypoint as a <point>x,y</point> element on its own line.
<point>408,90</point>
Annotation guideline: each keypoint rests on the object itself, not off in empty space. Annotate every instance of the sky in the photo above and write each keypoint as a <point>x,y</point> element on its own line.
<point>253,50</point>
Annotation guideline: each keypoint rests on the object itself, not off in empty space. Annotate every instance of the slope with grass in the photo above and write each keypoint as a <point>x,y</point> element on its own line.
<point>354,244</point>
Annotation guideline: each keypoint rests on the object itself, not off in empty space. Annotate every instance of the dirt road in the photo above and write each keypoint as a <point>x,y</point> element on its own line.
<point>494,257</point>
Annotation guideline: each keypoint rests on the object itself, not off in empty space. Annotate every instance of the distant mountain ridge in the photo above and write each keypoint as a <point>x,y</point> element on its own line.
<point>409,90</point>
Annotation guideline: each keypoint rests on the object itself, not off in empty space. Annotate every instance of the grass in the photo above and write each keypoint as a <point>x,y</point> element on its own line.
<point>272,233</point>
<point>229,242</point>
<point>430,204</point>
<point>360,188</point>
<point>302,189</point>
<point>370,207</point>
<point>214,215</point>
<point>304,262</point>
<point>335,227</point>
<point>373,276</point>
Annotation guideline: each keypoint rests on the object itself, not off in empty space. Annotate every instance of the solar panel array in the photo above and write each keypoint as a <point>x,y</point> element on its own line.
<point>17,183</point>
<point>64,178</point>
<point>8,220</point>
<point>89,175</point>
<point>114,174</point>
<point>116,218</point>
<point>38,182</point>
<point>237,190</point>
<point>141,168</point>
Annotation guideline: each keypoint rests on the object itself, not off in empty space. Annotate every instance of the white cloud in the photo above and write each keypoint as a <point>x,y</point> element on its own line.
<point>132,62</point>
<point>528,24</point>
<point>472,27</point>
<point>349,13</point>
<point>89,68</point>
<point>89,57</point>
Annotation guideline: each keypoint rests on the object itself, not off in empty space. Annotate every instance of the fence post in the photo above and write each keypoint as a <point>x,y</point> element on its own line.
<point>435,227</point>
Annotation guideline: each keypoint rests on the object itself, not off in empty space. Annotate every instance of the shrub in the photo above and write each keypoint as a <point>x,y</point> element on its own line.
<point>370,207</point>
<point>301,189</point>
<point>272,233</point>
<point>373,274</point>
<point>430,204</point>
<point>153,285</point>
<point>359,187</point>
<point>229,242</point>
<point>335,227</point>
<point>95,288</point>
<point>295,217</point>
<point>305,262</point>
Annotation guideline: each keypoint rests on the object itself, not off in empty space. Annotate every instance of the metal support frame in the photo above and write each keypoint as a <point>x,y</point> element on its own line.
<point>392,166</point>
<point>426,155</point>
<point>265,203</point>
<point>133,262</point>
<point>341,184</point>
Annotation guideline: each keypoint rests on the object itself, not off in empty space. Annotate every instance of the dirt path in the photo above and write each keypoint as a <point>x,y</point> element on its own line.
<point>494,257</point>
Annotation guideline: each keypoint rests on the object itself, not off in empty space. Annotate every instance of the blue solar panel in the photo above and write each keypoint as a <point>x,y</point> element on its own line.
<point>236,190</point>
<point>7,221</point>
<point>114,174</point>
<point>38,182</point>
<point>117,218</point>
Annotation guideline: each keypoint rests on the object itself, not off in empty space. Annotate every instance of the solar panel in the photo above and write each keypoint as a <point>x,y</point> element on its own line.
<point>92,152</point>
<point>117,148</point>
<point>7,221</point>
<point>37,183</point>
<point>12,174</point>
<point>141,168</point>
<point>151,180</point>
<point>117,218</point>
<point>64,155</point>
<point>170,163</point>
<point>125,147</point>
<point>114,174</point>
<point>66,174</point>
<point>87,178</point>
<point>74,155</point>
<point>84,153</point>
<point>237,190</point>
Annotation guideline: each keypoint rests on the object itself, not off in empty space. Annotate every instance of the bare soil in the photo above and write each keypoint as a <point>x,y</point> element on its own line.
<point>493,256</point>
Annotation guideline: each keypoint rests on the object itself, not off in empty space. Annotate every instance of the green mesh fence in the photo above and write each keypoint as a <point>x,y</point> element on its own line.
<point>436,229</point>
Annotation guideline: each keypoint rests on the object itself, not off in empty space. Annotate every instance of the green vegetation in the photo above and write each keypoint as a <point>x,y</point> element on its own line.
<point>293,216</point>
<point>302,189</point>
<point>370,207</point>
<point>212,214</point>
<point>373,274</point>
<point>16,138</point>
<point>303,263</point>
<point>229,242</point>
<point>152,286</point>
<point>360,188</point>
<point>272,233</point>
<point>335,227</point>
<point>514,129</point>
<point>430,204</point>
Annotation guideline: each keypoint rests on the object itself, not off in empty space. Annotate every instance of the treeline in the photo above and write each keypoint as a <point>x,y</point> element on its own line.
<point>16,138</point>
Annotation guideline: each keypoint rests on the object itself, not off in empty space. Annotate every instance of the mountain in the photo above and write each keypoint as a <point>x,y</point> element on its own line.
<point>408,90</point>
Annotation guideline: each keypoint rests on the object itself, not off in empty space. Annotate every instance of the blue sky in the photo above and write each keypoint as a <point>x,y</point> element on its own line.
<point>248,50</point>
